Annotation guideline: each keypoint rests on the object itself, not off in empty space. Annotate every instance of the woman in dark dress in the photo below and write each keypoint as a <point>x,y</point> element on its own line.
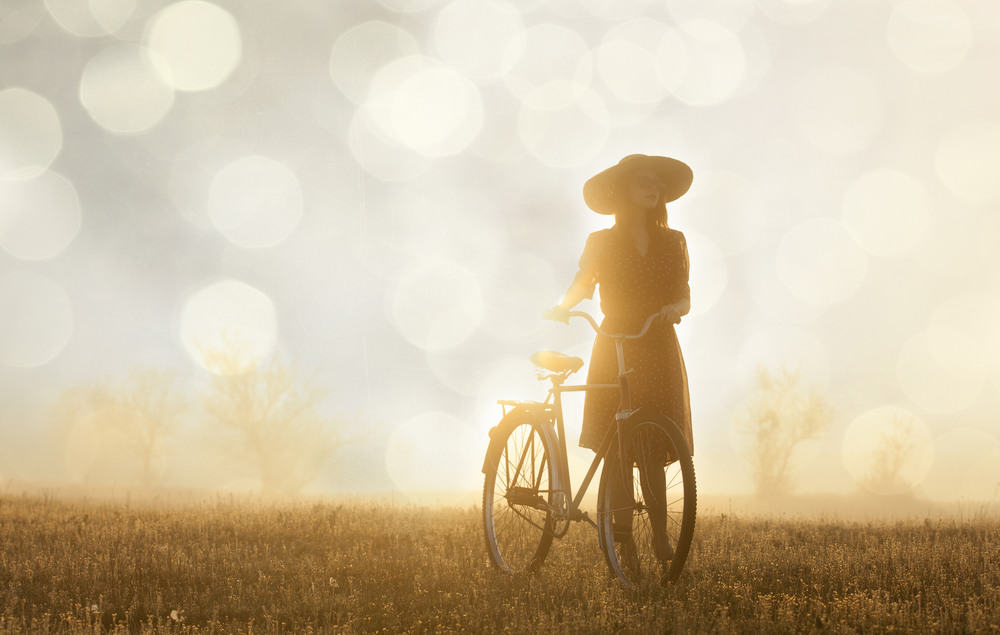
<point>641,267</point>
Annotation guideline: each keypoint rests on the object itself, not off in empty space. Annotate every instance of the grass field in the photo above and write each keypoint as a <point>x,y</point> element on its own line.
<point>371,567</point>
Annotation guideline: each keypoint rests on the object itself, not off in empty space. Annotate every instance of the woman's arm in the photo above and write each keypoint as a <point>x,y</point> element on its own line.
<point>672,313</point>
<point>574,295</point>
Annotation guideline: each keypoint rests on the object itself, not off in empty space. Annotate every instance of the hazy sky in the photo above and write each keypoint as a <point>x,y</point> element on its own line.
<point>390,192</point>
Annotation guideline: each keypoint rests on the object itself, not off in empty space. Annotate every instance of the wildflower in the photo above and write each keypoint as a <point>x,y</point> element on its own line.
<point>94,608</point>
<point>177,616</point>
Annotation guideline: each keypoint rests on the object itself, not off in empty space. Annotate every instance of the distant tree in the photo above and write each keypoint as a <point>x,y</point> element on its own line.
<point>143,408</point>
<point>271,409</point>
<point>890,456</point>
<point>778,416</point>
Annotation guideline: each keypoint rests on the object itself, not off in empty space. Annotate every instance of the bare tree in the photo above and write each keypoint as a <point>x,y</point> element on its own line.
<point>778,416</point>
<point>270,407</point>
<point>890,456</point>
<point>143,408</point>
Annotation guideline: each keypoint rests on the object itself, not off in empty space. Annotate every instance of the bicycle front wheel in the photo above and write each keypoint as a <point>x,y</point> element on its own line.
<point>521,481</point>
<point>646,508</point>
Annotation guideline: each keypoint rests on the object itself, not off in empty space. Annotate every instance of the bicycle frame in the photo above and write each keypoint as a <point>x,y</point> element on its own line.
<point>573,512</point>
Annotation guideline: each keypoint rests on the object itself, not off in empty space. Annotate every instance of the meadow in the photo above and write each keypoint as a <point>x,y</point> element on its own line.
<point>377,567</point>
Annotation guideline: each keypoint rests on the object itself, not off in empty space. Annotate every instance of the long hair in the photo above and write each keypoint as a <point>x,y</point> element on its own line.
<point>655,218</point>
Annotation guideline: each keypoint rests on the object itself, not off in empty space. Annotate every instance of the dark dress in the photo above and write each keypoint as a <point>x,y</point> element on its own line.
<point>632,287</point>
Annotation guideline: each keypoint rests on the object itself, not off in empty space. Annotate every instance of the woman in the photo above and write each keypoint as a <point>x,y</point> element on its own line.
<point>641,266</point>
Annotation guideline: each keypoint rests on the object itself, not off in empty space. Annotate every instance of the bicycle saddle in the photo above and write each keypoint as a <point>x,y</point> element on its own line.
<point>556,362</point>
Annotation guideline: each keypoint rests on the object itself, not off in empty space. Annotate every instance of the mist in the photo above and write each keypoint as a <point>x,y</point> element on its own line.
<point>389,194</point>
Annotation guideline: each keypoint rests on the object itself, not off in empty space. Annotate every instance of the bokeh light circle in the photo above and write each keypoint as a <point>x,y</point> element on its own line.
<point>548,53</point>
<point>627,60</point>
<point>198,41</point>
<point>886,211</point>
<point>727,208</point>
<point>111,14</point>
<point>820,263</point>
<point>713,61</point>
<point>929,36</point>
<point>380,155</point>
<point>569,134</point>
<point>126,89</point>
<point>966,467</point>
<point>425,106</point>
<point>968,160</point>
<point>473,35</point>
<point>941,369</point>
<point>39,217</point>
<point>888,450</point>
<point>978,316</point>
<point>709,273</point>
<point>435,452</point>
<point>228,313</point>
<point>36,319</point>
<point>361,51</point>
<point>437,304</point>
<point>17,22</point>
<point>836,109</point>
<point>255,201</point>
<point>30,133</point>
<point>90,18</point>
<point>408,6</point>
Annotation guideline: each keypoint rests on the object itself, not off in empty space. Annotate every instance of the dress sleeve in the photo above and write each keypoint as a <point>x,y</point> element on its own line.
<point>587,277</point>
<point>683,288</point>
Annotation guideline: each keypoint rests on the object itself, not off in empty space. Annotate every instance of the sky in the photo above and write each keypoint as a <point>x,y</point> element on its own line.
<point>389,192</point>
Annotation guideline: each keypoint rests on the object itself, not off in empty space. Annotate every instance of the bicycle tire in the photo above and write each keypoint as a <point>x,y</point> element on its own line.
<point>632,556</point>
<point>521,477</point>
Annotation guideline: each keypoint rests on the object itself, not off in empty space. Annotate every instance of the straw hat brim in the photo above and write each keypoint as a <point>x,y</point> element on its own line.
<point>600,193</point>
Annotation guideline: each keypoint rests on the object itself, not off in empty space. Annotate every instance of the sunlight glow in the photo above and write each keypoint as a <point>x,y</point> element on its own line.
<point>473,36</point>
<point>793,11</point>
<point>708,272</point>
<point>886,211</point>
<point>517,287</point>
<point>36,319</point>
<point>727,208</point>
<point>941,369</point>
<point>978,316</point>
<point>39,217</point>
<point>435,452</point>
<point>199,42</point>
<point>968,160</point>
<point>437,304</point>
<point>888,450</point>
<point>506,378</point>
<point>836,109</point>
<point>929,36</point>
<point>820,263</point>
<point>125,89</point>
<point>30,134</point>
<point>255,201</point>
<point>228,309</point>
<point>966,467</point>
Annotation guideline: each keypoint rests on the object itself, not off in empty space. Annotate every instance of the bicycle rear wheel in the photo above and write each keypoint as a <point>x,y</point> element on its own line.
<point>521,480</point>
<point>646,512</point>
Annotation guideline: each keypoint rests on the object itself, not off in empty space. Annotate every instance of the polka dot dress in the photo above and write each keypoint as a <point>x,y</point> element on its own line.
<point>632,286</point>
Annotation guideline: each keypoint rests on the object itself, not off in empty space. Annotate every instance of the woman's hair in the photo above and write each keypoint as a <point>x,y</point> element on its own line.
<point>657,217</point>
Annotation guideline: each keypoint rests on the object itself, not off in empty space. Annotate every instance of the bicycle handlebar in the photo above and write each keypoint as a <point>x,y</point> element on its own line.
<point>620,336</point>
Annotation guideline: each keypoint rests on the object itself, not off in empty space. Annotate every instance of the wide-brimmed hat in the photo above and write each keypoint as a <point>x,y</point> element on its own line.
<point>600,193</point>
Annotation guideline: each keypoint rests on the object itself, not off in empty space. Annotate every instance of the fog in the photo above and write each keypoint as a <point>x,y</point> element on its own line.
<point>389,193</point>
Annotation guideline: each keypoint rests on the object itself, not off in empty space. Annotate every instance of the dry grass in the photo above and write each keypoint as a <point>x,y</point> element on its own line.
<point>374,567</point>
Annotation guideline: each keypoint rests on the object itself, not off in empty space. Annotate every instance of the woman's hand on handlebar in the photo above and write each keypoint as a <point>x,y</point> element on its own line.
<point>670,315</point>
<point>557,313</point>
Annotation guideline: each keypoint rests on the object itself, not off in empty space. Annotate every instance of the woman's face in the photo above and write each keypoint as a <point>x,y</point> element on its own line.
<point>644,188</point>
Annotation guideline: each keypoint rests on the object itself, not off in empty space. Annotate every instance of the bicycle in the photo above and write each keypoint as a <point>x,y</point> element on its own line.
<point>528,499</point>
